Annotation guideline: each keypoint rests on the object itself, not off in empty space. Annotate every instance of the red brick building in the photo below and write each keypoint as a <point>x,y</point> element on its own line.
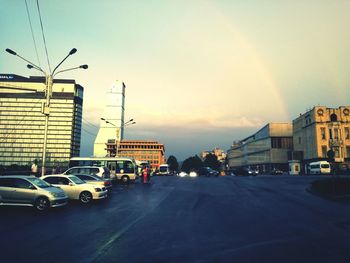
<point>141,150</point>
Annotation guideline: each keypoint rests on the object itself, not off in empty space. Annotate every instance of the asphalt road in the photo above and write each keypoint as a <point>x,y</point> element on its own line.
<point>221,219</point>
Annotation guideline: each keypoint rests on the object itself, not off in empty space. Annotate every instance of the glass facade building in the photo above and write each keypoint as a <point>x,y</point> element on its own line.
<point>22,122</point>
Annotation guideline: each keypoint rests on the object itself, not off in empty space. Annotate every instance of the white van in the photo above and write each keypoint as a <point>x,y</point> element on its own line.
<point>321,167</point>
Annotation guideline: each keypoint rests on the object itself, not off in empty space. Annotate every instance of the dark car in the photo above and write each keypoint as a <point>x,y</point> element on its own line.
<point>245,171</point>
<point>276,172</point>
<point>207,171</point>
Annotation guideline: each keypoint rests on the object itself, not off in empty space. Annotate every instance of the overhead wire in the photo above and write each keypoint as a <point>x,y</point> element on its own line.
<point>31,29</point>
<point>42,32</point>
<point>90,123</point>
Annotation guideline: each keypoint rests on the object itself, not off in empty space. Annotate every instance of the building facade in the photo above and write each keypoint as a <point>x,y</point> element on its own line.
<point>219,153</point>
<point>265,150</point>
<point>320,130</point>
<point>112,121</point>
<point>141,150</point>
<point>22,121</point>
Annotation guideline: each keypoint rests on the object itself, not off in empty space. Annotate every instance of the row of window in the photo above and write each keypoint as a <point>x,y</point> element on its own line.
<point>335,133</point>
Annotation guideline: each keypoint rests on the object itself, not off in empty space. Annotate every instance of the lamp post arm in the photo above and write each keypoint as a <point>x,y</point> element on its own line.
<point>69,69</point>
<point>32,64</point>
<point>53,72</point>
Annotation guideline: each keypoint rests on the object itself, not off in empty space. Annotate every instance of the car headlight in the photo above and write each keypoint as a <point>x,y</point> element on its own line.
<point>193,174</point>
<point>55,194</point>
<point>98,189</point>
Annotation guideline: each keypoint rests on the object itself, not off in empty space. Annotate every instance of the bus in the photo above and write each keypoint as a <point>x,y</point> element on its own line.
<point>124,169</point>
<point>321,167</point>
<point>164,169</point>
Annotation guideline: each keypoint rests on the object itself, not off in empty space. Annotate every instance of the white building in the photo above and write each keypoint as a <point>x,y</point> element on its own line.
<point>111,123</point>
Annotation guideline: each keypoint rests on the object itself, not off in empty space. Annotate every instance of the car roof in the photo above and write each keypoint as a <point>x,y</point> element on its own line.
<point>18,176</point>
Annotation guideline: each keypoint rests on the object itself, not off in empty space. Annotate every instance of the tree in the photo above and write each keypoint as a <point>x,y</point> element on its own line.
<point>172,162</point>
<point>192,163</point>
<point>211,160</point>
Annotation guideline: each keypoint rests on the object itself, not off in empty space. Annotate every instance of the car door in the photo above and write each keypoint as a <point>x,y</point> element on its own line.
<point>25,192</point>
<point>6,190</point>
<point>63,183</point>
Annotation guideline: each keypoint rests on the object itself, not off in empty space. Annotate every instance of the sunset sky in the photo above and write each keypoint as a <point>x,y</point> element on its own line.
<point>199,74</point>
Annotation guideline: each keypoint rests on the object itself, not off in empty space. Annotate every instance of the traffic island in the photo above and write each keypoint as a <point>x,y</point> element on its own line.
<point>335,188</point>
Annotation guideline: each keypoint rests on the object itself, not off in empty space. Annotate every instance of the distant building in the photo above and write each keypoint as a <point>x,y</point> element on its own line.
<point>22,121</point>
<point>265,150</point>
<point>142,150</point>
<point>322,129</point>
<point>112,122</point>
<point>219,153</point>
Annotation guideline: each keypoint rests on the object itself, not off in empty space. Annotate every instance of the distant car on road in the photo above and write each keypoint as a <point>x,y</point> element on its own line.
<point>30,191</point>
<point>276,172</point>
<point>207,171</point>
<point>76,188</point>
<point>182,174</point>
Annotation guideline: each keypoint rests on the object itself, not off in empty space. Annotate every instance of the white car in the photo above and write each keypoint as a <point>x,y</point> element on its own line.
<point>102,172</point>
<point>182,174</point>
<point>76,188</point>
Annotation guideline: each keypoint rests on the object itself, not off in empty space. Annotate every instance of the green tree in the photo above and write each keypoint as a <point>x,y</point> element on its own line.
<point>172,162</point>
<point>192,163</point>
<point>211,160</point>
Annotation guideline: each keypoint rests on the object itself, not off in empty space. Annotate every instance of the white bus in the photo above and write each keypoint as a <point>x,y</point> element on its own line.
<point>164,169</point>
<point>124,169</point>
<point>321,167</point>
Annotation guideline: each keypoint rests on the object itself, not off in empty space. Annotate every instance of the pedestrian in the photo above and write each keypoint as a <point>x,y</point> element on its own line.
<point>144,175</point>
<point>35,168</point>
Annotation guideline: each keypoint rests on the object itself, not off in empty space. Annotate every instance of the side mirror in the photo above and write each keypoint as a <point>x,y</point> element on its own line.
<point>121,171</point>
<point>70,184</point>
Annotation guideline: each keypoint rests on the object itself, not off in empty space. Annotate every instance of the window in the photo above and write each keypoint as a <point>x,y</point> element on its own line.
<point>336,152</point>
<point>324,151</point>
<point>21,183</point>
<point>347,133</point>
<point>323,133</point>
<point>330,134</point>
<point>6,182</point>
<point>334,117</point>
<point>348,151</point>
<point>336,133</point>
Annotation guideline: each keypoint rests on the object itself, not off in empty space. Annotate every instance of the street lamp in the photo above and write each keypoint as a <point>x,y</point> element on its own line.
<point>49,76</point>
<point>123,124</point>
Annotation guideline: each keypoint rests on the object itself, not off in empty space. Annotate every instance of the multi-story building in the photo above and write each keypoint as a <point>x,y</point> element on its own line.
<point>22,121</point>
<point>320,130</point>
<point>219,153</point>
<point>141,150</point>
<point>265,150</point>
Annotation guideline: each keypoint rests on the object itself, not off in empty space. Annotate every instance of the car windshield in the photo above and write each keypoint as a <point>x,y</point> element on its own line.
<point>39,183</point>
<point>76,180</point>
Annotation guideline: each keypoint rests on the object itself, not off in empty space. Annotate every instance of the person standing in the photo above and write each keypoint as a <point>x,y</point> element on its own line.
<point>35,168</point>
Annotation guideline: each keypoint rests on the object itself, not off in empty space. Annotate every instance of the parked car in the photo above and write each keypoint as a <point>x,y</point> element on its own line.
<point>102,172</point>
<point>241,171</point>
<point>94,179</point>
<point>30,191</point>
<point>76,188</point>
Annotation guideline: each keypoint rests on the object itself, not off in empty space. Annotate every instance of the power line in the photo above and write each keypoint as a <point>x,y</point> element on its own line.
<point>42,32</point>
<point>87,122</point>
<point>89,132</point>
<point>31,29</point>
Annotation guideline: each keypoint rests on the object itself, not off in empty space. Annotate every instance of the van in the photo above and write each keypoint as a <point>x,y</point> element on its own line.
<point>321,167</point>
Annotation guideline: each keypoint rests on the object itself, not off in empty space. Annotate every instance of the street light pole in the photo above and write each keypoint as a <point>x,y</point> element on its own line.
<point>48,93</point>
<point>123,124</point>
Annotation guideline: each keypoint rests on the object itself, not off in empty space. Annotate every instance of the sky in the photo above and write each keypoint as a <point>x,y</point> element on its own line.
<point>199,74</point>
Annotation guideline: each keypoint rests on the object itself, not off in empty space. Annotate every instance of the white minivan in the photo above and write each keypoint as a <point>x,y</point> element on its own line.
<point>321,167</point>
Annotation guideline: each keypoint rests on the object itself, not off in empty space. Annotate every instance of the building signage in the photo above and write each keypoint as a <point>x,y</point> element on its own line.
<point>6,77</point>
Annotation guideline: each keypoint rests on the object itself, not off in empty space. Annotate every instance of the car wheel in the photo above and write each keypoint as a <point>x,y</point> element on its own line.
<point>125,179</point>
<point>42,203</point>
<point>85,197</point>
